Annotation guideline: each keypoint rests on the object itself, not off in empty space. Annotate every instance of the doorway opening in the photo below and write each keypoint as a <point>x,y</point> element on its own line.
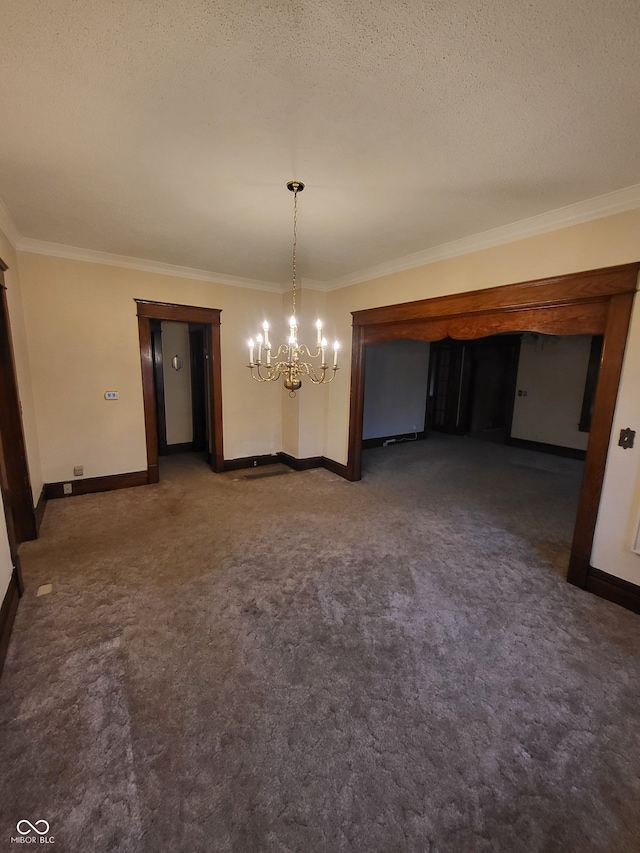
<point>595,302</point>
<point>181,382</point>
<point>499,411</point>
<point>181,390</point>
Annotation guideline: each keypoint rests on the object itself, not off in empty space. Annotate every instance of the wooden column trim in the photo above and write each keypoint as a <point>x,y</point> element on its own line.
<point>613,347</point>
<point>14,469</point>
<point>356,404</point>
<point>217,460</point>
<point>148,396</point>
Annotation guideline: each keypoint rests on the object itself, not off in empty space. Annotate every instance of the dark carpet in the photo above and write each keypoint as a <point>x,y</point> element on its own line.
<point>297,663</point>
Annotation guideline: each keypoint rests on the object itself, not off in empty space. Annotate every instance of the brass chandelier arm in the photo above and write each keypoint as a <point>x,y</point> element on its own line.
<point>274,371</point>
<point>322,380</point>
<point>304,350</point>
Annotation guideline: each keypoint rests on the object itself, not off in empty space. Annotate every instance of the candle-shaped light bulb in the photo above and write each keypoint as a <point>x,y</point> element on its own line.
<point>319,329</point>
<point>250,350</point>
<point>323,345</point>
<point>265,329</point>
<point>259,340</point>
<point>336,347</point>
<point>292,322</point>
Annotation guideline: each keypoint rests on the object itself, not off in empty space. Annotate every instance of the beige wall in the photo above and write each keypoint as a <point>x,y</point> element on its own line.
<point>552,371</point>
<point>303,415</point>
<point>177,383</point>
<point>83,336</point>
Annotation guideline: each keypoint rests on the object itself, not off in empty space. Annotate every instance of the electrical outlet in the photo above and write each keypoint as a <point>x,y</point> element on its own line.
<point>67,489</point>
<point>78,471</point>
<point>111,395</point>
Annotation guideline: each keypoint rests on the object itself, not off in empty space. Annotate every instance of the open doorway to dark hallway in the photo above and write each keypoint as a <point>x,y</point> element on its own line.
<point>202,355</point>
<point>477,397</point>
<point>472,385</point>
<point>179,372</point>
<point>530,390</point>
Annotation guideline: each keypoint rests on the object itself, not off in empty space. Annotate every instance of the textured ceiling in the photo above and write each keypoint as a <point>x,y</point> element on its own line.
<point>167,131</point>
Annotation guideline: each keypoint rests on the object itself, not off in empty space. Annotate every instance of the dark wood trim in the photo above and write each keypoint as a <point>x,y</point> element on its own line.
<point>614,589</point>
<point>301,464</point>
<point>541,293</point>
<point>577,319</point>
<point>182,447</point>
<point>356,404</point>
<point>251,462</point>
<point>178,313</point>
<point>148,396</point>
<point>214,358</point>
<point>8,614</point>
<point>335,468</point>
<point>613,347</point>
<point>40,508</point>
<point>89,485</point>
<point>210,318</point>
<point>15,481</point>
<point>541,447</point>
<point>592,302</point>
<point>286,459</point>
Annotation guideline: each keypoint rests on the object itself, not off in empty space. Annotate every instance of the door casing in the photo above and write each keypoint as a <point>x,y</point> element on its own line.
<point>210,319</point>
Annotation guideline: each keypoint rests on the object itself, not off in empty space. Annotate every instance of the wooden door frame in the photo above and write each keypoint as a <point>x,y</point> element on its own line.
<point>209,317</point>
<point>594,302</point>
<point>14,469</point>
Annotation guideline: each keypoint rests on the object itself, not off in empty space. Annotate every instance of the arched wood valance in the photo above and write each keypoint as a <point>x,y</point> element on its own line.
<point>595,302</point>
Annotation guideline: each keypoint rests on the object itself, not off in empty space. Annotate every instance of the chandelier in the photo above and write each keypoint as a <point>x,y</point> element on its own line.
<point>289,361</point>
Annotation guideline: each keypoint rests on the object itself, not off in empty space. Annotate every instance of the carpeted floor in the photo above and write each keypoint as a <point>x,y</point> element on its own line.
<point>297,663</point>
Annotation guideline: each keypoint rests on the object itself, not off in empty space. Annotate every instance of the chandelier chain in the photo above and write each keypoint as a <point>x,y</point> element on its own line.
<point>295,245</point>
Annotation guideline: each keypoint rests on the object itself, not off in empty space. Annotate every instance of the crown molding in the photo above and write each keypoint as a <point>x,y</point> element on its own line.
<point>573,214</point>
<point>58,250</point>
<point>564,217</point>
<point>8,226</point>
